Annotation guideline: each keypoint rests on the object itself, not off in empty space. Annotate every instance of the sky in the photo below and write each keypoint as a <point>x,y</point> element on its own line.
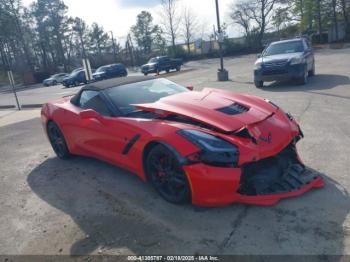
<point>119,15</point>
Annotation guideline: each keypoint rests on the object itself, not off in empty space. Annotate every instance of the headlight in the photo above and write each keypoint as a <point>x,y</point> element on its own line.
<point>213,150</point>
<point>297,60</point>
<point>257,65</point>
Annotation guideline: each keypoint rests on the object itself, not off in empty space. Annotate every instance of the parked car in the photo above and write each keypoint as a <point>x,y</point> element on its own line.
<point>213,147</point>
<point>54,79</point>
<point>161,63</point>
<point>75,78</point>
<point>110,71</point>
<point>285,60</point>
<point>77,69</point>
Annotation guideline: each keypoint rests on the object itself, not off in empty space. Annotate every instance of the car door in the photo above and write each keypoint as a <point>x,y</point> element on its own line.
<point>106,137</point>
<point>60,78</point>
<point>80,77</point>
<point>167,63</point>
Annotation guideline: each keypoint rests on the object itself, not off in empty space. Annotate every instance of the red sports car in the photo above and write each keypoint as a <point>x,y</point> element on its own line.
<point>212,147</point>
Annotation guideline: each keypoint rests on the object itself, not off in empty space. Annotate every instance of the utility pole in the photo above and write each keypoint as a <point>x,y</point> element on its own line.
<point>86,62</point>
<point>114,47</point>
<point>222,73</point>
<point>7,64</point>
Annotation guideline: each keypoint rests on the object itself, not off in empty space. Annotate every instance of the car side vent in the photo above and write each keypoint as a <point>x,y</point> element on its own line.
<point>233,109</point>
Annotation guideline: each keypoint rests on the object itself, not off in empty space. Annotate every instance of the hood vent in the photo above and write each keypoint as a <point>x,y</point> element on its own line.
<point>233,109</point>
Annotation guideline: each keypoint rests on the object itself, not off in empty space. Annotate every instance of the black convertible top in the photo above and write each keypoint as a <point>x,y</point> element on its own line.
<point>102,85</point>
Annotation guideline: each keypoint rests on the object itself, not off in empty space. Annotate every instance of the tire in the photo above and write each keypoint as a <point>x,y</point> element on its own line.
<point>54,83</point>
<point>259,84</point>
<point>303,80</point>
<point>166,175</point>
<point>76,83</point>
<point>57,141</point>
<point>178,68</point>
<point>168,70</point>
<point>145,74</point>
<point>312,72</point>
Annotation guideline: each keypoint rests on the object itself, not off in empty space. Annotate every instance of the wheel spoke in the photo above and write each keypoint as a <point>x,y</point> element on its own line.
<point>167,175</point>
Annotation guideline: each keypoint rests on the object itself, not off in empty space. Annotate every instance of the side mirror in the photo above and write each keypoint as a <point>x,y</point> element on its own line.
<point>308,50</point>
<point>189,87</point>
<point>90,114</point>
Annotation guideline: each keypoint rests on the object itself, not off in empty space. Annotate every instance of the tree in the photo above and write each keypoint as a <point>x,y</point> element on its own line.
<point>12,32</point>
<point>345,8</point>
<point>98,39</point>
<point>81,28</point>
<point>189,26</point>
<point>334,18</point>
<point>171,19</point>
<point>280,19</point>
<point>144,31</point>
<point>319,19</point>
<point>159,42</point>
<point>253,15</point>
<point>51,19</point>
<point>240,15</point>
<point>260,12</point>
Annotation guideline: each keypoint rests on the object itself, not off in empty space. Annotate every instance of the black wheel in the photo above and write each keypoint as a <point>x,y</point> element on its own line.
<point>303,80</point>
<point>178,68</point>
<point>312,72</point>
<point>168,70</point>
<point>167,176</point>
<point>259,84</point>
<point>57,141</point>
<point>54,83</point>
<point>145,74</point>
<point>76,83</point>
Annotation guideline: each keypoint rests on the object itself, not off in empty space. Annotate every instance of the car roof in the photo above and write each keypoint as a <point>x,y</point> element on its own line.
<point>105,84</point>
<point>288,40</point>
<point>102,85</point>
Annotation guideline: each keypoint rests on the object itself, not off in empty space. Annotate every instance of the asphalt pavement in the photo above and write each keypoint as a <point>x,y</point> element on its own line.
<point>85,206</point>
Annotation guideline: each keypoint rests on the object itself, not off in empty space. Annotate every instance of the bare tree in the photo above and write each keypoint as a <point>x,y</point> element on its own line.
<point>241,15</point>
<point>253,13</point>
<point>261,11</point>
<point>171,19</point>
<point>189,26</point>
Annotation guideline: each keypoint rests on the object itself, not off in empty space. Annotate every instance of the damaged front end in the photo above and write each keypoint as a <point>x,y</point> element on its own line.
<point>262,182</point>
<point>279,174</point>
<point>269,180</point>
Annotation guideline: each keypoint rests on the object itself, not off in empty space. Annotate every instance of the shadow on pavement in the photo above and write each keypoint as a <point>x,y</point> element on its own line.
<point>116,210</point>
<point>317,82</point>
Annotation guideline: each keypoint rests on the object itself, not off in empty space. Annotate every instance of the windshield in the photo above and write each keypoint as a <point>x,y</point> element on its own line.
<point>153,60</point>
<point>74,73</point>
<point>148,91</point>
<point>284,48</point>
<point>101,69</point>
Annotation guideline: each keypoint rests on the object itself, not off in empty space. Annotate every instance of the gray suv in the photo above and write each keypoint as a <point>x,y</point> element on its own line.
<point>284,60</point>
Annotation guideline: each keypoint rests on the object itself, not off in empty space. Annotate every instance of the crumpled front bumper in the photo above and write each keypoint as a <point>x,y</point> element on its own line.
<point>264,182</point>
